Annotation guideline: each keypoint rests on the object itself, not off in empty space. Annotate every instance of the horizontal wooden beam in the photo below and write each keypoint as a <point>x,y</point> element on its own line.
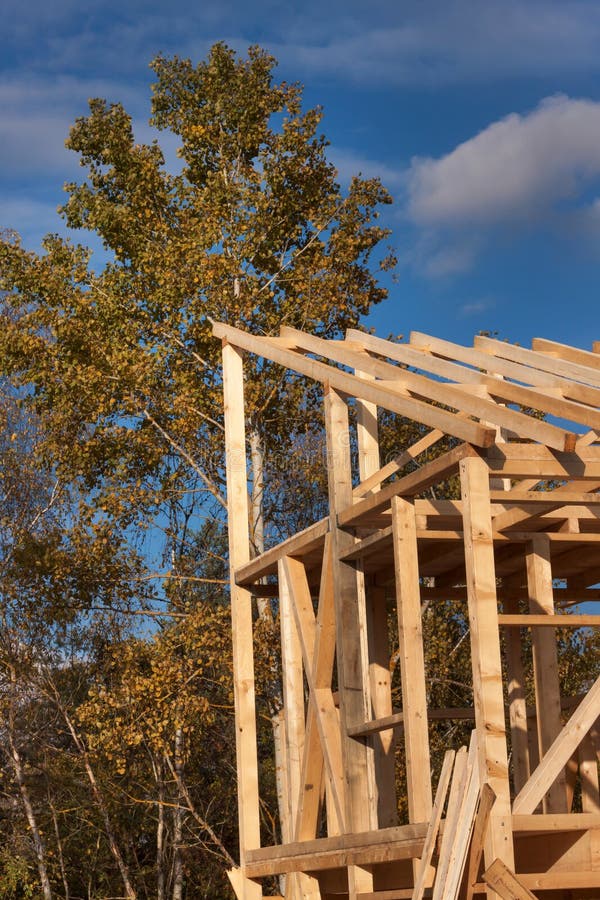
<point>431,473</point>
<point>432,390</point>
<point>559,752</point>
<point>494,385</point>
<point>535,621</point>
<point>364,389</point>
<point>536,823</point>
<point>497,365</point>
<point>564,351</point>
<point>397,720</point>
<point>383,845</point>
<point>538,361</point>
<point>515,460</point>
<point>298,545</point>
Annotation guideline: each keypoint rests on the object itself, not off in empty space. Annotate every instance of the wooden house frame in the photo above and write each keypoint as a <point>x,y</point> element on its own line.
<point>501,549</point>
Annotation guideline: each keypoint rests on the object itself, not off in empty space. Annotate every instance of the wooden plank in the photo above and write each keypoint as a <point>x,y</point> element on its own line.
<point>526,460</point>
<point>266,564</point>
<point>567,620</point>
<point>499,366</point>
<point>350,641</point>
<point>431,473</point>
<point>433,826</point>
<point>517,708</point>
<point>457,791</point>
<point>564,351</point>
<point>495,385</point>
<point>293,690</point>
<point>407,456</point>
<point>241,614</point>
<point>485,651</point>
<point>281,777</point>
<point>588,774</point>
<point>506,883</point>
<point>554,366</point>
<point>540,824</point>
<point>382,845</point>
<point>412,661</point>
<point>545,662</point>
<point>388,398</point>
<point>559,753</point>
<point>486,802</point>
<point>323,742</point>
<point>422,388</point>
<point>466,820</point>
<point>396,720</point>
<point>556,881</point>
<point>384,742</point>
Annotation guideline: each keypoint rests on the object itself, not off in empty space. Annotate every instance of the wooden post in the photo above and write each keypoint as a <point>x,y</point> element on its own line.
<point>293,692</point>
<point>377,632</point>
<point>412,661</point>
<point>350,637</point>
<point>517,706</point>
<point>485,653</point>
<point>241,614</point>
<point>545,664</point>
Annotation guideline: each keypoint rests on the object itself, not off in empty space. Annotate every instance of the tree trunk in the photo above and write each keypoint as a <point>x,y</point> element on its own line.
<point>257,517</point>
<point>98,797</point>
<point>38,844</point>
<point>160,832</point>
<point>178,819</point>
<point>59,848</point>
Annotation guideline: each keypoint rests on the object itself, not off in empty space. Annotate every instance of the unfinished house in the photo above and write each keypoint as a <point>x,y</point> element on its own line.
<point>516,813</point>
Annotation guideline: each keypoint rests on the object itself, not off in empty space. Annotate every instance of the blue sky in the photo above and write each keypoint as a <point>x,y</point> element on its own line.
<point>481,116</point>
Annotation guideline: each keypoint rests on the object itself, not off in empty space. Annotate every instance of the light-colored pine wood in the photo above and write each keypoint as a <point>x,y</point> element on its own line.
<point>466,819</point>
<point>323,741</point>
<point>494,386</point>
<point>485,652</point>
<point>558,754</point>
<point>241,615</point>
<point>421,387</point>
<point>384,742</point>
<point>385,844</point>
<point>412,661</point>
<point>389,398</point>
<point>457,791</point>
<point>545,663</point>
<point>588,774</point>
<point>564,351</point>
<point>498,366</point>
<point>407,456</point>
<point>434,825</point>
<point>506,883</point>
<point>516,701</point>
<point>361,812</point>
<point>410,485</point>
<point>554,365</point>
<point>293,689</point>
<point>486,803</point>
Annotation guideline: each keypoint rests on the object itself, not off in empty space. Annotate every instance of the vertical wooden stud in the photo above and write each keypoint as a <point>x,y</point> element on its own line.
<point>517,707</point>
<point>485,653</point>
<point>412,661</point>
<point>545,663</point>
<point>350,636</point>
<point>241,613</point>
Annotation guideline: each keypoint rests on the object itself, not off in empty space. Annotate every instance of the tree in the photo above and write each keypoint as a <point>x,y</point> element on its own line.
<point>253,230</point>
<point>117,366</point>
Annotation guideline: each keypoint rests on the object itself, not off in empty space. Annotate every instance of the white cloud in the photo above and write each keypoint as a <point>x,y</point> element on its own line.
<point>519,168</point>
<point>427,42</point>
<point>539,170</point>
